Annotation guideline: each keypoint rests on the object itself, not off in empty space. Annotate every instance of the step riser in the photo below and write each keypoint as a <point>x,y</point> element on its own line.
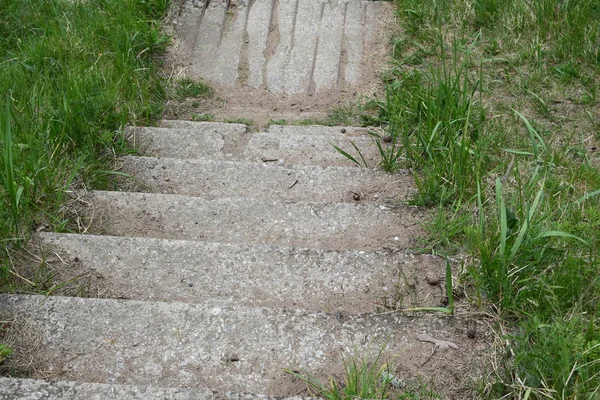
<point>215,179</point>
<point>223,348</point>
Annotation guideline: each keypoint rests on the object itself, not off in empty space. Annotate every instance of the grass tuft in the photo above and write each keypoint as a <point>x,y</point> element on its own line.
<point>365,379</point>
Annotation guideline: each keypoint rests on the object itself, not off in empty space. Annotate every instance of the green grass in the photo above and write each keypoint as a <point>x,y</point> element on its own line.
<point>203,117</point>
<point>5,352</point>
<point>493,104</point>
<point>189,89</point>
<point>360,114</point>
<point>244,121</point>
<point>72,75</point>
<point>365,379</point>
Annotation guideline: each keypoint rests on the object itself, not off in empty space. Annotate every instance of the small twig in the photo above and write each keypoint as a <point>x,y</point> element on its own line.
<point>293,184</point>
<point>429,358</point>
<point>510,165</point>
<point>23,278</point>
<point>264,159</point>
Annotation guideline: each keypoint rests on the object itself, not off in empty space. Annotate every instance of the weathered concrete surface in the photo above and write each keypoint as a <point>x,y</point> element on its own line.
<point>310,149</point>
<point>254,275</point>
<point>285,47</point>
<point>34,389</point>
<point>206,140</point>
<point>292,145</point>
<point>225,348</point>
<point>211,179</point>
<point>226,128</point>
<point>338,226</point>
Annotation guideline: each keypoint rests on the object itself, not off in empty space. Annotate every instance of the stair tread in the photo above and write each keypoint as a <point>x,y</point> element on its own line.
<point>257,275</point>
<point>224,142</point>
<point>37,389</point>
<point>212,179</point>
<point>239,220</point>
<point>222,347</point>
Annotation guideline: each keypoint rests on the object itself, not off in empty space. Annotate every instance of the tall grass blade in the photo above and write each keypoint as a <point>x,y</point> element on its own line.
<point>14,193</point>
<point>449,290</point>
<point>564,235</point>
<point>587,196</point>
<point>533,135</point>
<point>502,215</point>
<point>346,154</point>
<point>525,227</point>
<point>359,153</point>
<point>480,209</point>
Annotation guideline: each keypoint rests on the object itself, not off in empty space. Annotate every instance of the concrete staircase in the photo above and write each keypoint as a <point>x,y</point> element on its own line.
<point>243,257</point>
<point>233,255</point>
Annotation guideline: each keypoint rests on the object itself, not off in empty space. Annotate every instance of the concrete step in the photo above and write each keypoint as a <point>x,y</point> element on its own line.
<point>220,141</point>
<point>289,47</point>
<point>252,275</point>
<point>337,226</point>
<point>224,348</point>
<point>37,389</point>
<point>212,179</point>
<point>349,131</point>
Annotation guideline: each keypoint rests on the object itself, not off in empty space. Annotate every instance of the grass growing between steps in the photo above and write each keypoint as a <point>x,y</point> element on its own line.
<point>72,74</point>
<point>365,379</point>
<point>494,104</point>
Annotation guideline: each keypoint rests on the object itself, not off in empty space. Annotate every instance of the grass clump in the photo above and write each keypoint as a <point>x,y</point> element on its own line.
<point>72,75</point>
<point>189,89</point>
<point>365,379</point>
<point>5,352</point>
<point>203,117</point>
<point>493,104</point>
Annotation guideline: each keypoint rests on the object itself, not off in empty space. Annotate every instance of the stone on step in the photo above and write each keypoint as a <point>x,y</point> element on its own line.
<point>212,179</point>
<point>37,389</point>
<point>336,226</point>
<point>224,348</point>
<point>349,281</point>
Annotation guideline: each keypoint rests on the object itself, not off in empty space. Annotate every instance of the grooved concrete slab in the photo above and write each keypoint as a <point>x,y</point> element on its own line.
<point>322,225</point>
<point>285,47</point>
<point>212,179</point>
<point>34,389</point>
<point>300,145</point>
<point>257,275</point>
<point>225,348</point>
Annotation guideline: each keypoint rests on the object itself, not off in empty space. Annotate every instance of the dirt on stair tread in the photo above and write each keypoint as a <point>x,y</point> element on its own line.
<point>226,348</point>
<point>251,275</point>
<point>212,142</point>
<point>336,226</point>
<point>211,179</point>
<point>38,389</point>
